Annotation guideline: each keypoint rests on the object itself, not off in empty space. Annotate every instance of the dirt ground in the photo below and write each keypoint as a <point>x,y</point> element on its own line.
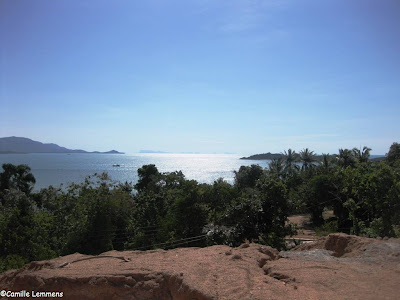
<point>304,230</point>
<point>301,224</point>
<point>334,267</point>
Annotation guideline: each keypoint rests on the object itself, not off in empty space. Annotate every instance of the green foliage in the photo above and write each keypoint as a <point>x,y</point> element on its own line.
<point>18,222</point>
<point>258,216</point>
<point>317,194</point>
<point>101,213</point>
<point>307,159</point>
<point>327,163</point>
<point>173,211</point>
<point>166,210</point>
<point>361,156</point>
<point>187,213</point>
<point>276,167</point>
<point>393,155</point>
<point>346,158</point>
<point>274,211</point>
<point>376,228</point>
<point>372,193</point>
<point>16,177</point>
<point>247,177</point>
<point>218,198</point>
<point>327,228</point>
<point>242,220</point>
<point>12,261</point>
<point>290,159</point>
<point>148,178</point>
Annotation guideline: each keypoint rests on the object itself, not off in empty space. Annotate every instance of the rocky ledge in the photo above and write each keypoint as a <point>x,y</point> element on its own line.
<point>335,267</point>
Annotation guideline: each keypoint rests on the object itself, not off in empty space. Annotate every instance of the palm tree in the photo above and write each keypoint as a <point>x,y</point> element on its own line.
<point>307,159</point>
<point>276,166</point>
<point>289,160</point>
<point>345,158</point>
<point>326,161</point>
<point>362,156</point>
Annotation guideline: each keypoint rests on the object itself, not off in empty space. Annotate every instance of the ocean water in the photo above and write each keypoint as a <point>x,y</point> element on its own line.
<point>55,169</point>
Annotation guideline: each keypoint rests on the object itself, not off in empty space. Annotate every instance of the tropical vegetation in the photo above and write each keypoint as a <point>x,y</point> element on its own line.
<point>166,210</point>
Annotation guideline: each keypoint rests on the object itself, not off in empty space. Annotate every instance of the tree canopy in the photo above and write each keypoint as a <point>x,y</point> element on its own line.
<point>166,210</point>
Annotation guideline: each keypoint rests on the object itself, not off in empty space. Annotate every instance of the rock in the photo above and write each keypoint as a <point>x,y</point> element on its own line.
<point>237,256</point>
<point>250,272</point>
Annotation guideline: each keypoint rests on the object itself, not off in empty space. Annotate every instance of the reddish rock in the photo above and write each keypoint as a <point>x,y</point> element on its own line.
<point>335,267</point>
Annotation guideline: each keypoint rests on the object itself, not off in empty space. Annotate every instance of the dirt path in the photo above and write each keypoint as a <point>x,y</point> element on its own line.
<point>303,229</point>
<point>303,225</point>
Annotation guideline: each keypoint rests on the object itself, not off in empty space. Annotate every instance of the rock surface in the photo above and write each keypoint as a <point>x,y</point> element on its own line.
<point>335,267</point>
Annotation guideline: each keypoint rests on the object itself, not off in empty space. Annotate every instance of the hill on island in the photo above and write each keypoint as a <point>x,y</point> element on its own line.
<point>264,156</point>
<point>271,156</point>
<point>24,145</point>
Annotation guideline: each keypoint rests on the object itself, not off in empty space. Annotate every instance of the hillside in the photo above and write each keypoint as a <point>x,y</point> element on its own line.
<point>334,267</point>
<point>24,145</point>
<point>263,156</point>
<point>271,156</point>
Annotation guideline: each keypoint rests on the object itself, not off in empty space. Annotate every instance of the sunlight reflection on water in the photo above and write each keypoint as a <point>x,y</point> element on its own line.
<point>54,169</point>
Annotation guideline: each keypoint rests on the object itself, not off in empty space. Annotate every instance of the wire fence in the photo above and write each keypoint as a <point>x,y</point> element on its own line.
<point>151,233</point>
<point>174,243</point>
<point>140,235</point>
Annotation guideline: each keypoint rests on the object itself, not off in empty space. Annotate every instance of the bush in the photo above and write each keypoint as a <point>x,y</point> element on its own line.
<point>327,228</point>
<point>12,261</point>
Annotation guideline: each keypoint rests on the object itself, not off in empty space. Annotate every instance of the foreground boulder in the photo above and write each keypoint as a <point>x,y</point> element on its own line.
<point>335,267</point>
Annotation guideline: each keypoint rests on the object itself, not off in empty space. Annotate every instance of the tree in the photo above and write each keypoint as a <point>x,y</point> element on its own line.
<point>242,220</point>
<point>276,167</point>
<point>247,177</point>
<point>17,225</point>
<point>317,193</point>
<point>260,215</point>
<point>382,198</point>
<point>17,177</point>
<point>372,198</point>
<point>394,154</point>
<point>149,177</point>
<point>187,215</point>
<point>307,159</point>
<point>218,197</point>
<point>346,158</point>
<point>274,212</point>
<point>362,156</point>
<point>290,161</point>
<point>173,179</point>
<point>326,163</point>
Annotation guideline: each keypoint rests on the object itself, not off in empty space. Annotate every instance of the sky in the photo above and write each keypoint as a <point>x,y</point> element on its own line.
<point>203,76</point>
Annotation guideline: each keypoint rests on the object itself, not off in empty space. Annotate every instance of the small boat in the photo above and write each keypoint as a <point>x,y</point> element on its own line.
<point>116,165</point>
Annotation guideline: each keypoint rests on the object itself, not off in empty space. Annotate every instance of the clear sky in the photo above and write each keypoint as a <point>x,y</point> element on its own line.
<point>204,75</point>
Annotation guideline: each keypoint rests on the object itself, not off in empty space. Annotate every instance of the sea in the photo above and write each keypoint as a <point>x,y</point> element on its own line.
<point>62,169</point>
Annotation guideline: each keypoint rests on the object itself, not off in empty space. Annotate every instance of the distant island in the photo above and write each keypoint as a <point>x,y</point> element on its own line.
<point>152,151</point>
<point>271,156</point>
<point>21,145</point>
<point>263,156</point>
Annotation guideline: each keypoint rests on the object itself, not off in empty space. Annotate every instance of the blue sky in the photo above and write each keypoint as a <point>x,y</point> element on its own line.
<point>204,75</point>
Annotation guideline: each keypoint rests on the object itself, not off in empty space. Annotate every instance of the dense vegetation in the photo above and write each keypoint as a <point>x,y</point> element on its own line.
<point>166,210</point>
